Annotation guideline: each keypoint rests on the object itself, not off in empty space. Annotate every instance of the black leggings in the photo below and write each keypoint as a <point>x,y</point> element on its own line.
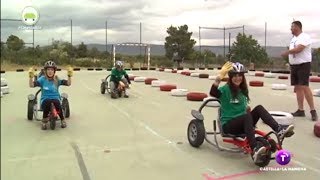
<point>245,124</point>
<point>46,107</point>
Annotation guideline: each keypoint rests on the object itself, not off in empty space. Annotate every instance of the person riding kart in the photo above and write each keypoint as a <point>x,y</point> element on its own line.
<point>49,84</point>
<point>119,80</point>
<point>235,119</point>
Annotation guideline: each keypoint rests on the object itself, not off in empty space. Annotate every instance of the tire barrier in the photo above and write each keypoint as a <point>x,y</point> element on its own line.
<point>251,73</point>
<point>187,73</point>
<point>316,129</point>
<point>194,74</point>
<point>259,74</point>
<point>19,70</point>
<point>149,80</point>
<point>143,68</point>
<point>270,75</point>
<point>3,72</point>
<point>179,92</point>
<point>314,79</point>
<point>153,69</point>
<point>212,77</point>
<point>211,103</point>
<point>318,75</point>
<point>202,68</point>
<point>210,68</point>
<point>256,83</point>
<point>109,69</point>
<point>265,70</point>
<point>281,71</point>
<point>203,75</point>
<point>279,87</point>
<point>167,87</point>
<point>75,69</point>
<point>132,77</point>
<point>180,68</point>
<point>127,69</point>
<point>179,71</point>
<point>192,68</point>
<point>174,71</point>
<point>252,70</point>
<point>157,83</point>
<point>184,72</point>
<point>168,70</point>
<point>139,79</point>
<point>135,69</point>
<point>78,69</point>
<point>90,69</point>
<point>161,69</point>
<point>196,96</point>
<point>98,69</point>
<point>282,118</point>
<point>219,68</point>
<point>316,92</point>
<point>283,77</point>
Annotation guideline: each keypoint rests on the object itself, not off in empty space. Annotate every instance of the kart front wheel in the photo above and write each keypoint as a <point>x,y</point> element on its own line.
<point>196,132</point>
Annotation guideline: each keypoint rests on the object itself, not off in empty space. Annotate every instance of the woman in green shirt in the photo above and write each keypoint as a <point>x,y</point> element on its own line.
<point>235,119</point>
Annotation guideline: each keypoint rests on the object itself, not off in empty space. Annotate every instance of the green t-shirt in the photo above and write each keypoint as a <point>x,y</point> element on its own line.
<point>117,75</point>
<point>231,107</point>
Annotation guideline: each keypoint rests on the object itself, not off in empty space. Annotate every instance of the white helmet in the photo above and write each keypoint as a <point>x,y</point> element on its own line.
<point>119,64</point>
<point>237,68</point>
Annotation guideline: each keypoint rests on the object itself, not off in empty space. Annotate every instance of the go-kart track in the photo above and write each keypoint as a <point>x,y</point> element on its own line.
<point>141,137</point>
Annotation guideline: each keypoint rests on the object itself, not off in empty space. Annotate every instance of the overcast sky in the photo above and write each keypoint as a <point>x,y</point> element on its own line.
<point>156,16</point>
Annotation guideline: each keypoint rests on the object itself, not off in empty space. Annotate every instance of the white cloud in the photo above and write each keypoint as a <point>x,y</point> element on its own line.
<point>124,16</point>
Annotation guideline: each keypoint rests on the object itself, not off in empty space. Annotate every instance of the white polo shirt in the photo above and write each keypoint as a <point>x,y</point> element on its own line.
<point>305,55</point>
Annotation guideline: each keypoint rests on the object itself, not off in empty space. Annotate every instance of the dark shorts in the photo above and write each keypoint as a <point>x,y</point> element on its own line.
<point>300,74</point>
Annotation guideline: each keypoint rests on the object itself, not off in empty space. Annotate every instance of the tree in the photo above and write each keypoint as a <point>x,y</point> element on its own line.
<point>93,52</point>
<point>82,50</point>
<point>14,43</point>
<point>179,41</point>
<point>247,50</point>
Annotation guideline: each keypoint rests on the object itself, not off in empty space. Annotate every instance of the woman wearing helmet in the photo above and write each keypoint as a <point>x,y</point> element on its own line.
<point>119,80</point>
<point>235,118</point>
<point>49,84</point>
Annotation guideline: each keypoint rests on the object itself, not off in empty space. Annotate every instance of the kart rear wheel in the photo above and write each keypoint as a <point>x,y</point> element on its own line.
<point>103,88</point>
<point>30,109</point>
<point>265,158</point>
<point>196,133</point>
<point>66,108</point>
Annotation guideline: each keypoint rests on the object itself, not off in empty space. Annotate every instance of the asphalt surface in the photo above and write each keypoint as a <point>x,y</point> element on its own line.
<point>143,137</point>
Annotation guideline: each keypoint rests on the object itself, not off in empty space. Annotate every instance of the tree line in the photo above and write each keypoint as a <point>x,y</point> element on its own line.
<point>179,48</point>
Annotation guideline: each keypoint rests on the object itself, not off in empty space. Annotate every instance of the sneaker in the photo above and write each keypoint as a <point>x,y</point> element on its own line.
<point>314,115</point>
<point>126,96</point>
<point>44,126</point>
<point>63,124</point>
<point>285,131</point>
<point>257,151</point>
<point>299,113</point>
<point>113,95</point>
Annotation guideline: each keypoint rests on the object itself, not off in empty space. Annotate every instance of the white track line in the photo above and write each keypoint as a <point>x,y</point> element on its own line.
<point>148,128</point>
<point>306,166</point>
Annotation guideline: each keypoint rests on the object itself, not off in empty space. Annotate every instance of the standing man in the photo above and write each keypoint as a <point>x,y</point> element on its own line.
<point>300,64</point>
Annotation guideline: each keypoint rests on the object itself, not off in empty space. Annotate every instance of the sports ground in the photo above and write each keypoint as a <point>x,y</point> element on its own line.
<point>143,137</point>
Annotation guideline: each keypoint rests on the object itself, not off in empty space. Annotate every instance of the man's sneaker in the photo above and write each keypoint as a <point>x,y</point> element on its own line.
<point>257,152</point>
<point>285,132</point>
<point>299,113</point>
<point>314,115</point>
